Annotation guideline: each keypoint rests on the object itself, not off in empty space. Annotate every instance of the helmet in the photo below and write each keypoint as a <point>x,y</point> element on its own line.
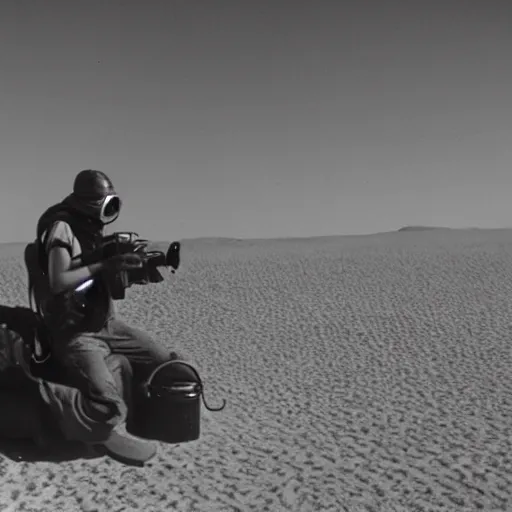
<point>94,196</point>
<point>92,185</point>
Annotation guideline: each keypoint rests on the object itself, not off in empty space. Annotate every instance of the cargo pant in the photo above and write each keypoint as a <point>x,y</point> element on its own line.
<point>38,402</point>
<point>48,412</point>
<point>93,403</point>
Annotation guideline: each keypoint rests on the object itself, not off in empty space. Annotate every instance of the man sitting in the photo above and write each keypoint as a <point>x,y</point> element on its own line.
<point>81,338</point>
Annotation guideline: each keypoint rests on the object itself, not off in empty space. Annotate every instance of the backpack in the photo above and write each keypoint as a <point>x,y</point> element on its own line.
<point>38,294</point>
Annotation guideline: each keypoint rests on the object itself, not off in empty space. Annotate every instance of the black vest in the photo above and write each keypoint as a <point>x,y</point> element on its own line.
<point>89,235</point>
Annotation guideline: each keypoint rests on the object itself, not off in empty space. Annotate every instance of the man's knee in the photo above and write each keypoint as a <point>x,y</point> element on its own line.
<point>142,347</point>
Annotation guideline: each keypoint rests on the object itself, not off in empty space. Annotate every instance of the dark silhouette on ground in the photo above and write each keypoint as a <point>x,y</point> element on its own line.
<point>23,321</point>
<point>21,450</point>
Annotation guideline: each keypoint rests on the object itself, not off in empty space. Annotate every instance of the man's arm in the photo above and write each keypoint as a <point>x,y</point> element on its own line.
<point>64,272</point>
<point>65,276</point>
<point>67,273</point>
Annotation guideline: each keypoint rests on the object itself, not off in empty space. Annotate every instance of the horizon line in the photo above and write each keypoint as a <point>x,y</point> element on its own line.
<point>404,229</point>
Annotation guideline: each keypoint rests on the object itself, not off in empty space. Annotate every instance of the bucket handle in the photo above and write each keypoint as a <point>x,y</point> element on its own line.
<point>147,385</point>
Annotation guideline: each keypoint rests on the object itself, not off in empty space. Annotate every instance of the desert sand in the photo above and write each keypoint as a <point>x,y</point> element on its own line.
<point>361,373</point>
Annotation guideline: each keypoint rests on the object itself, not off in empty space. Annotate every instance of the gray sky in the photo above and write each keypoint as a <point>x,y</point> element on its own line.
<point>260,118</point>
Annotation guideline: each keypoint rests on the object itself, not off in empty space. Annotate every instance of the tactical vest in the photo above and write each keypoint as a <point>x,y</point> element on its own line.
<point>62,313</point>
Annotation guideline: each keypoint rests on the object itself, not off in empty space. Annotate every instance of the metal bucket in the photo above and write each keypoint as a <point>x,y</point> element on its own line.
<point>167,406</point>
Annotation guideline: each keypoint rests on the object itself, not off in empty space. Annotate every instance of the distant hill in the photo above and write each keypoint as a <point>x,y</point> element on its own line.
<point>420,228</point>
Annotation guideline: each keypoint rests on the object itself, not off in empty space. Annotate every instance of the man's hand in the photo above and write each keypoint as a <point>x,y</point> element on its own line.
<point>121,262</point>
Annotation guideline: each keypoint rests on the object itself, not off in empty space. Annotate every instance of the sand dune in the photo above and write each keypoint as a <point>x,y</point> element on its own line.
<point>362,373</point>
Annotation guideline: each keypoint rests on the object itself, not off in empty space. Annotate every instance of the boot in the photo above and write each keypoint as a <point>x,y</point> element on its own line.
<point>122,446</point>
<point>126,449</point>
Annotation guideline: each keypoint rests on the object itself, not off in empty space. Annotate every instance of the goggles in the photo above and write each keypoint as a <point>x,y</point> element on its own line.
<point>110,209</point>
